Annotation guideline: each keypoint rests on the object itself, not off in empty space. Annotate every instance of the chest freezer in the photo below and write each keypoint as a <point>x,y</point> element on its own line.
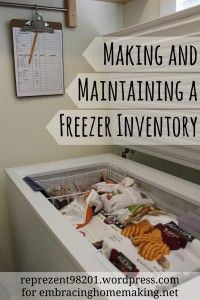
<point>45,240</point>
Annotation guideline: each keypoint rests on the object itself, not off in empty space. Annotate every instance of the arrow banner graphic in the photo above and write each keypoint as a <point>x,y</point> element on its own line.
<point>127,127</point>
<point>135,91</point>
<point>144,54</point>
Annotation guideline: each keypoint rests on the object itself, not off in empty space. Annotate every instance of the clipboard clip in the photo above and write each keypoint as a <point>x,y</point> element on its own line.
<point>37,24</point>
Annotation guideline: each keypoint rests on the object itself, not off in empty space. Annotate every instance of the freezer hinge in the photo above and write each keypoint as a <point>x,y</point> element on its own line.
<point>125,152</point>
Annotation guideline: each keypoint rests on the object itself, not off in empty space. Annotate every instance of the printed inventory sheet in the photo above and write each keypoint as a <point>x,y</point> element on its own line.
<point>44,75</point>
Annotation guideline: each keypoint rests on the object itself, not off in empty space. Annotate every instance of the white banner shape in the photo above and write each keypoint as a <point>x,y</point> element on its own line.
<point>125,127</point>
<point>144,54</point>
<point>135,91</point>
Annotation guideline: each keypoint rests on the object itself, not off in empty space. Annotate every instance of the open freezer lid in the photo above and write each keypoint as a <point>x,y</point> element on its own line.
<point>188,156</point>
<point>185,22</point>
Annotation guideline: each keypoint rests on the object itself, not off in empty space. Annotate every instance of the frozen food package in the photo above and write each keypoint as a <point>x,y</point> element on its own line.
<point>163,219</point>
<point>99,230</point>
<point>128,182</point>
<point>152,213</point>
<point>108,187</point>
<point>121,214</point>
<point>104,187</point>
<point>129,196</point>
<point>75,211</point>
<point>161,248</point>
<point>122,263</point>
<point>182,260</point>
<point>94,200</point>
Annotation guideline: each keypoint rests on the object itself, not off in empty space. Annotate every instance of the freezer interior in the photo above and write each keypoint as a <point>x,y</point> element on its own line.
<point>62,189</point>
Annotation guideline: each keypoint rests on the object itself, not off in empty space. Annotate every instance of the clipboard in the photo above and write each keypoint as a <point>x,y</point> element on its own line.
<point>45,75</point>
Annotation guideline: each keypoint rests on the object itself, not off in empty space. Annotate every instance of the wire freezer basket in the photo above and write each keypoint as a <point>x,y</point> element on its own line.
<point>62,188</point>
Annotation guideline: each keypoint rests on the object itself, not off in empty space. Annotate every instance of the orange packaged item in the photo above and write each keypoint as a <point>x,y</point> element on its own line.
<point>151,245</point>
<point>137,229</point>
<point>154,235</point>
<point>153,250</point>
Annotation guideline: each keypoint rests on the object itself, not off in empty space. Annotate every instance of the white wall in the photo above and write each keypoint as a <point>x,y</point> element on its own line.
<point>167,7</point>
<point>140,11</point>
<point>23,137</point>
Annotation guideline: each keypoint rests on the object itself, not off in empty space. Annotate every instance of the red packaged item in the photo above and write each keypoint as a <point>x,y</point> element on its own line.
<point>122,263</point>
<point>174,236</point>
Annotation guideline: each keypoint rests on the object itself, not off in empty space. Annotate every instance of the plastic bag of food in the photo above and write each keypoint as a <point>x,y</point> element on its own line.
<point>94,200</point>
<point>129,196</point>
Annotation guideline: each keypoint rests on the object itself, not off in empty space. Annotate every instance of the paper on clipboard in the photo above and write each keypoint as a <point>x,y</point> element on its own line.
<point>44,76</point>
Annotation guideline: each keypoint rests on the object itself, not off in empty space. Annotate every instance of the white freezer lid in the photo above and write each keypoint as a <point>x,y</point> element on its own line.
<point>186,19</point>
<point>180,23</point>
<point>188,156</point>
